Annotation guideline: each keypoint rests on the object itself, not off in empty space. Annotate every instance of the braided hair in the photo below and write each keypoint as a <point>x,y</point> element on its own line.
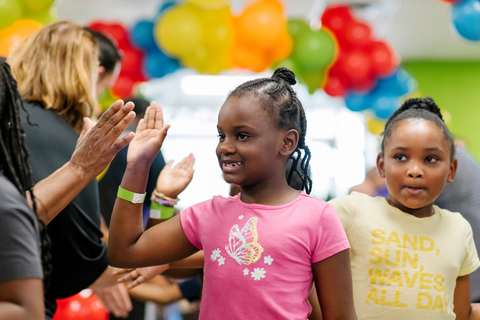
<point>287,112</point>
<point>14,155</point>
<point>424,108</point>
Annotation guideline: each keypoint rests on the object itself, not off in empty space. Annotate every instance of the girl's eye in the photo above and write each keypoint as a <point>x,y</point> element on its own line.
<point>431,159</point>
<point>400,157</point>
<point>221,136</point>
<point>242,136</point>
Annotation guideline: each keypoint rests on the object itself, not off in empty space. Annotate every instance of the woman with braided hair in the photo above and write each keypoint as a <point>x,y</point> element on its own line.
<point>411,259</point>
<point>263,247</point>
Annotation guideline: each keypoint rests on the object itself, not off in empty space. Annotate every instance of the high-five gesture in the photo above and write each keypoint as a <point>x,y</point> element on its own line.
<point>149,137</point>
<point>172,181</point>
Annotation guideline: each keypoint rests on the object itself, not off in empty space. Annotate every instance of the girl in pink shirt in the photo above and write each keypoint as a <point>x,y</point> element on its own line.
<point>265,247</point>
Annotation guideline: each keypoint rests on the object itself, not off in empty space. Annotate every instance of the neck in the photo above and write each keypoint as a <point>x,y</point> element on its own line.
<point>422,212</point>
<point>268,193</point>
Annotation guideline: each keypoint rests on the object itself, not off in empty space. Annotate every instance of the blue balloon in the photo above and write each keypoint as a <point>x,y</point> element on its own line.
<point>142,35</point>
<point>466,19</point>
<point>357,101</point>
<point>157,64</point>
<point>384,106</point>
<point>398,84</point>
<point>166,5</point>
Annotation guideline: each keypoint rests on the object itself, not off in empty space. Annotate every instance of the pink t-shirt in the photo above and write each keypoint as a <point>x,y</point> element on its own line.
<point>258,258</point>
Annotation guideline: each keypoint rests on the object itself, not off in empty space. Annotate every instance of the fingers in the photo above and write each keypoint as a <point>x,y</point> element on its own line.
<point>118,272</point>
<point>117,122</point>
<point>186,163</point>
<point>116,300</point>
<point>142,125</point>
<point>135,283</point>
<point>159,117</point>
<point>88,124</point>
<point>150,115</point>
<point>121,143</point>
<point>129,277</point>
<point>161,136</point>
<point>114,108</point>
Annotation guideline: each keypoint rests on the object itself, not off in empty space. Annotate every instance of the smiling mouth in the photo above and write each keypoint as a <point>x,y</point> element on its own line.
<point>231,165</point>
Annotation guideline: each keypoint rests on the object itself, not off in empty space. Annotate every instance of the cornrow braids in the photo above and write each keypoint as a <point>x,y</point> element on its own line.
<point>283,106</point>
<point>423,108</point>
<point>14,155</point>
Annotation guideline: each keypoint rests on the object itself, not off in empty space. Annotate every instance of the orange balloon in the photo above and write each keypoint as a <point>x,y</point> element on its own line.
<point>249,58</point>
<point>16,32</point>
<point>282,48</point>
<point>261,23</point>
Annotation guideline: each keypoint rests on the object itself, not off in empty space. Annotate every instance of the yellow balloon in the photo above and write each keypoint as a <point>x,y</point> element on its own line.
<point>10,36</point>
<point>217,24</point>
<point>375,126</point>
<point>179,30</point>
<point>210,4</point>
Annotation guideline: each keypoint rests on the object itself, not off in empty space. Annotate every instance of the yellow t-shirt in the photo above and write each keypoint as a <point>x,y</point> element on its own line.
<point>404,267</point>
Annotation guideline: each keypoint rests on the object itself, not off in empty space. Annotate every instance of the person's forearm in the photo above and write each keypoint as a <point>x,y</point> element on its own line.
<point>126,224</point>
<point>159,294</point>
<point>196,260</point>
<point>13,311</point>
<point>475,312</point>
<point>56,191</point>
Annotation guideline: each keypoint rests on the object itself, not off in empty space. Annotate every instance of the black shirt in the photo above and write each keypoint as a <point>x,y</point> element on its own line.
<point>79,256</point>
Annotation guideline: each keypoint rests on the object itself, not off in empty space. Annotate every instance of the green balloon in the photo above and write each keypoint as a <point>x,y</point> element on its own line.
<point>44,17</point>
<point>288,63</point>
<point>297,27</point>
<point>37,5</point>
<point>10,11</point>
<point>314,50</point>
<point>313,79</point>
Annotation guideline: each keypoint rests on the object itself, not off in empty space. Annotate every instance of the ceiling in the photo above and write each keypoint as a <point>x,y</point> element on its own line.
<point>418,29</point>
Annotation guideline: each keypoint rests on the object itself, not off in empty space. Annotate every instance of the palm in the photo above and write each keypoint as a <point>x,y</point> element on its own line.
<point>149,136</point>
<point>172,181</point>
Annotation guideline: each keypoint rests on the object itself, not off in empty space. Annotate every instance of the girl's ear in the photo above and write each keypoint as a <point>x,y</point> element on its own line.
<point>381,165</point>
<point>290,142</point>
<point>452,171</point>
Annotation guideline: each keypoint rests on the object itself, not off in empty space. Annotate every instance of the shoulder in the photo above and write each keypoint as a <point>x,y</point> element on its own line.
<point>10,197</point>
<point>453,219</point>
<point>214,204</point>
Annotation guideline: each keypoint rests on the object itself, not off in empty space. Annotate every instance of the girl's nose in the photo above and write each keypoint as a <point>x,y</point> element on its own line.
<point>226,147</point>
<point>415,171</point>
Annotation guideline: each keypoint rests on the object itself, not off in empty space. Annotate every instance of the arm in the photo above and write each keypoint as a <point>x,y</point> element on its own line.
<point>128,245</point>
<point>141,275</point>
<point>22,299</point>
<point>462,306</point>
<point>96,148</point>
<point>160,294</point>
<point>333,281</point>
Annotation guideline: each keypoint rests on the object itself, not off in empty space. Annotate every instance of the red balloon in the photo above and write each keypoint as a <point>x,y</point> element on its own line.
<point>358,35</point>
<point>119,33</point>
<point>355,65</point>
<point>335,86</point>
<point>366,84</point>
<point>123,86</point>
<point>97,25</point>
<point>132,63</point>
<point>80,308</point>
<point>337,19</point>
<point>384,61</point>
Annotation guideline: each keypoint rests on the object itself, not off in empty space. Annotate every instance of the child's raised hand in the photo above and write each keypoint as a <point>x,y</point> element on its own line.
<point>149,136</point>
<point>172,181</point>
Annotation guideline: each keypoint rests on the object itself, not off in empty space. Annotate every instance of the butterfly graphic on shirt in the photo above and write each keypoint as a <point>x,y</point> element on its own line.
<point>242,244</point>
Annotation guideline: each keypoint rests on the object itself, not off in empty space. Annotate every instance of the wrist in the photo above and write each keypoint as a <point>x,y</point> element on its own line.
<point>166,194</point>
